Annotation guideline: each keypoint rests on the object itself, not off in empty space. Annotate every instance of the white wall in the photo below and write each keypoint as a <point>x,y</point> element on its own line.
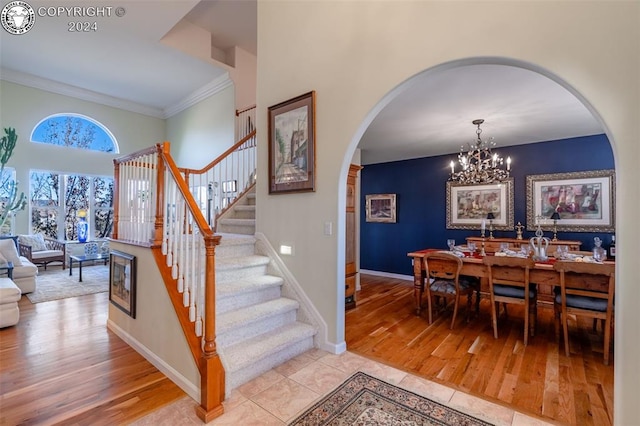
<point>155,332</point>
<point>355,53</point>
<point>24,107</point>
<point>244,76</point>
<point>203,131</point>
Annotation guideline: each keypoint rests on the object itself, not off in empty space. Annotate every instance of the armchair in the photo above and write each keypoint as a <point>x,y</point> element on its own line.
<point>41,250</point>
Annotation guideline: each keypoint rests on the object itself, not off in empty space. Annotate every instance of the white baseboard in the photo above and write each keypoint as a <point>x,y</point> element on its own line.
<point>332,348</point>
<point>387,275</point>
<point>191,389</point>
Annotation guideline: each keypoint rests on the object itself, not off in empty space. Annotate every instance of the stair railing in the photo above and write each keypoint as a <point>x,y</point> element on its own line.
<point>220,183</point>
<point>154,207</point>
<point>245,121</point>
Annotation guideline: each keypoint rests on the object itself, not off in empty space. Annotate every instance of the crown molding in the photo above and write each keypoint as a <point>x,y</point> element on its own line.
<point>47,85</point>
<point>210,89</point>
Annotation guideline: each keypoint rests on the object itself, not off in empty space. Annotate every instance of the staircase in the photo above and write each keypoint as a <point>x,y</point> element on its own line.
<point>240,218</point>
<point>241,311</point>
<point>256,327</point>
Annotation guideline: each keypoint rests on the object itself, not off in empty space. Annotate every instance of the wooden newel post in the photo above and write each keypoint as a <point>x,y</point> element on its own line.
<point>158,237</point>
<point>212,376</point>
<point>116,198</point>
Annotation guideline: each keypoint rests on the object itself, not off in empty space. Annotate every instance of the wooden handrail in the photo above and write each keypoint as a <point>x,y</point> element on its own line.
<point>212,375</point>
<point>220,157</point>
<point>203,226</point>
<point>145,151</point>
<point>240,111</point>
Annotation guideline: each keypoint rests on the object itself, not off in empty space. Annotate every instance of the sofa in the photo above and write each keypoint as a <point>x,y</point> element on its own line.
<point>24,271</point>
<point>41,250</point>
<point>9,297</point>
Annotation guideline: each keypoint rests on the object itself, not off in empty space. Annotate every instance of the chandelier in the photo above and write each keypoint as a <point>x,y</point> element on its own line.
<point>478,164</point>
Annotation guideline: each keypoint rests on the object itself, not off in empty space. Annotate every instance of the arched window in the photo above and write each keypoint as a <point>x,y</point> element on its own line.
<point>56,198</point>
<point>75,131</point>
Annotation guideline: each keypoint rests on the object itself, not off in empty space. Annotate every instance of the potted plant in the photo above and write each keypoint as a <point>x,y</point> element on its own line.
<point>10,201</point>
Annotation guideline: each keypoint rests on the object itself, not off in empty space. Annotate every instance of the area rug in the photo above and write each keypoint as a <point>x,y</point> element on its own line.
<point>54,284</point>
<point>365,400</point>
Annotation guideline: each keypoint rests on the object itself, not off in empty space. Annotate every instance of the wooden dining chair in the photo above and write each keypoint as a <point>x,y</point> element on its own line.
<point>594,300</point>
<point>509,283</point>
<point>444,280</point>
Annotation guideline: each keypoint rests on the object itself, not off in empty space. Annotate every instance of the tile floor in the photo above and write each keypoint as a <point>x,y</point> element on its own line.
<point>279,395</point>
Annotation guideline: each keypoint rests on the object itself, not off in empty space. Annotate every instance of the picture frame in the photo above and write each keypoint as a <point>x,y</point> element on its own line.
<point>122,281</point>
<point>292,144</point>
<point>468,205</point>
<point>381,208</point>
<point>585,200</point>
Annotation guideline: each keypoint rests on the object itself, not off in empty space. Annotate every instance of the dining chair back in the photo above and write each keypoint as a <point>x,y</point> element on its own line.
<point>509,283</point>
<point>581,295</point>
<point>444,281</point>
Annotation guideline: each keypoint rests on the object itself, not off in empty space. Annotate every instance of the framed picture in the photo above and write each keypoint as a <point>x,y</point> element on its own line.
<point>292,145</point>
<point>468,205</point>
<point>381,208</point>
<point>122,282</point>
<point>584,200</point>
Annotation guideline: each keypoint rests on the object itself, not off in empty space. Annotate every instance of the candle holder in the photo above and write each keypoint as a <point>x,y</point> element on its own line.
<point>482,252</point>
<point>519,229</point>
<point>490,216</point>
<point>555,217</point>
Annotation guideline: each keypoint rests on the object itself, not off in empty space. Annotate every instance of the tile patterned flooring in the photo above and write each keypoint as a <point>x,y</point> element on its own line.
<point>281,394</point>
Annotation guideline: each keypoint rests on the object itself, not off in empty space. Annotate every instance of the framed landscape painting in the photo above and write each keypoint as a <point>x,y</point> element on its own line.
<point>381,208</point>
<point>292,144</point>
<point>468,205</point>
<point>585,201</point>
<point>122,282</point>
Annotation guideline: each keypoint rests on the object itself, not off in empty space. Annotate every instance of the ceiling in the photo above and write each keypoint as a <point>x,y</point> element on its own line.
<point>431,114</point>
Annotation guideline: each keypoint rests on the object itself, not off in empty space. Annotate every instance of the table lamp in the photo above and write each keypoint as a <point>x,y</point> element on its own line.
<point>490,217</point>
<point>555,217</point>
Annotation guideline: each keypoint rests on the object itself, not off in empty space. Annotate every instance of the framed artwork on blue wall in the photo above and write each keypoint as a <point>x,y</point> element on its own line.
<point>585,201</point>
<point>469,205</point>
<point>381,208</point>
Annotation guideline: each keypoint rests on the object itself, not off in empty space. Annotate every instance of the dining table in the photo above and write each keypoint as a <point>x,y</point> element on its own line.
<point>543,274</point>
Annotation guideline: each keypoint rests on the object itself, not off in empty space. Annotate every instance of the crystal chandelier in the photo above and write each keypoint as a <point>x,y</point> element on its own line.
<point>478,164</point>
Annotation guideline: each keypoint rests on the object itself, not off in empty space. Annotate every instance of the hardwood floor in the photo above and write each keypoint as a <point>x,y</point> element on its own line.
<point>537,379</point>
<point>60,365</point>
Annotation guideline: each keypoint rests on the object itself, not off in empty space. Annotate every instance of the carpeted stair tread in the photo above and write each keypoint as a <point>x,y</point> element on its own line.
<point>231,288</point>
<point>234,221</point>
<point>252,314</point>
<point>248,351</point>
<point>235,239</point>
<point>226,264</point>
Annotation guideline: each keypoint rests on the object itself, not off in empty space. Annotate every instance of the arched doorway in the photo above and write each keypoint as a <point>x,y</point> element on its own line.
<point>399,90</point>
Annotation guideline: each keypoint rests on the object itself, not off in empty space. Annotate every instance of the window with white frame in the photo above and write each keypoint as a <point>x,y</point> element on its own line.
<point>56,198</point>
<point>9,195</point>
<point>74,131</point>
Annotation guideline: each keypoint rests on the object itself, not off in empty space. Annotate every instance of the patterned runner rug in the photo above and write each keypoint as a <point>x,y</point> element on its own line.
<point>54,284</point>
<point>365,400</point>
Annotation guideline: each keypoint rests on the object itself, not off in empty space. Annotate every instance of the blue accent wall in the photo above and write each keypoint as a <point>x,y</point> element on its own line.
<point>420,188</point>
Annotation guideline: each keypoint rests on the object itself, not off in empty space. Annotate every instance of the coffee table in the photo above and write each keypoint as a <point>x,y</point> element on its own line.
<point>84,258</point>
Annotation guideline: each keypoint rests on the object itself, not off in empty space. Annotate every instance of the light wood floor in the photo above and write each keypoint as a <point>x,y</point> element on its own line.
<point>537,379</point>
<point>61,365</point>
